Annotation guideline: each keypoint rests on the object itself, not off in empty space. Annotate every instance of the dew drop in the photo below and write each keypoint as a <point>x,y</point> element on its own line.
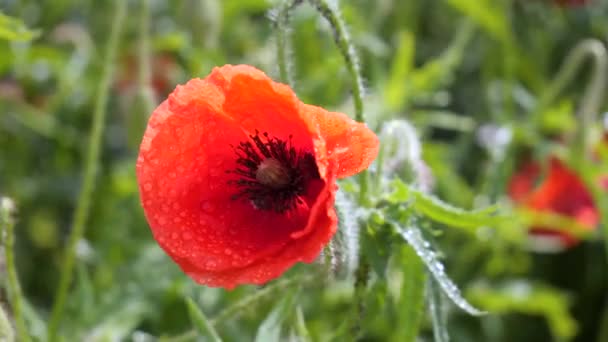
<point>147,186</point>
<point>414,237</point>
<point>174,235</point>
<point>187,235</point>
<point>228,251</point>
<point>207,206</point>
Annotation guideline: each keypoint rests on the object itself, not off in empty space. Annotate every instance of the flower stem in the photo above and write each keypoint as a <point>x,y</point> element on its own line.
<point>361,279</point>
<point>90,170</point>
<point>283,47</point>
<point>14,289</point>
<point>593,95</point>
<point>144,78</point>
<point>343,41</point>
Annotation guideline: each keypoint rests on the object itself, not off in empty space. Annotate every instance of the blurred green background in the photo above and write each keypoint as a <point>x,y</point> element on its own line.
<point>451,67</point>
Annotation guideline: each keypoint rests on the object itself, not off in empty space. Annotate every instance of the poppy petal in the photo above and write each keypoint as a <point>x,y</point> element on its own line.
<point>352,143</point>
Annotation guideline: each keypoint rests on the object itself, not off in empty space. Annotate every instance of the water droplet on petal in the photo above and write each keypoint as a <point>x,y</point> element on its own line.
<point>207,206</point>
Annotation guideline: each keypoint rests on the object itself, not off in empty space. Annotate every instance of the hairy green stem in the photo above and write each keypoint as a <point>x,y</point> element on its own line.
<point>13,287</point>
<point>91,165</point>
<point>144,77</point>
<point>594,92</point>
<point>361,280</point>
<point>342,39</point>
<point>283,12</point>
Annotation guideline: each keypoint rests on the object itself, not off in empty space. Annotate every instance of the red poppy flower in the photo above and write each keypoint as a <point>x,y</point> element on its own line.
<point>163,72</point>
<point>237,176</point>
<point>561,192</point>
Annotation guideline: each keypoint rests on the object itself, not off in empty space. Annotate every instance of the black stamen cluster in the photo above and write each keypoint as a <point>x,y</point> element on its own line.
<point>300,166</point>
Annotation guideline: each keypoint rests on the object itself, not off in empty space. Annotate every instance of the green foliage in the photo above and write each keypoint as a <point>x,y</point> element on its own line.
<point>411,297</point>
<point>14,30</point>
<point>201,322</point>
<point>270,328</point>
<point>442,212</point>
<point>6,330</point>
<point>529,298</point>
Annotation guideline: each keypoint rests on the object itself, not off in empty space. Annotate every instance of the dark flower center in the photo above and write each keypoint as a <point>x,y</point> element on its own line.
<point>272,174</point>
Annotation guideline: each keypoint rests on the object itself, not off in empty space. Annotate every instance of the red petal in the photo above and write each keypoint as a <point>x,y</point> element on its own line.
<point>352,144</point>
<point>322,225</point>
<point>562,192</point>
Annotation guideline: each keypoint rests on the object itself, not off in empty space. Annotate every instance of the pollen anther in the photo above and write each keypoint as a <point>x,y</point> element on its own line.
<point>272,173</point>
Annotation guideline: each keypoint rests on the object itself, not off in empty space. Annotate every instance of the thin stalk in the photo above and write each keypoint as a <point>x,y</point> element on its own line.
<point>14,288</point>
<point>144,75</point>
<point>361,280</point>
<point>342,39</point>
<point>91,165</point>
<point>594,92</point>
<point>283,12</point>
<point>344,44</point>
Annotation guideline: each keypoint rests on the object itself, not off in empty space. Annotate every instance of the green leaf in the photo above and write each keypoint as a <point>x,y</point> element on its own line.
<point>528,298</point>
<point>14,30</point>
<point>200,321</point>
<point>411,300</point>
<point>377,246</point>
<point>438,313</point>
<point>300,325</point>
<point>442,212</point>
<point>396,90</point>
<point>488,15</point>
<point>270,329</point>
<point>437,72</point>
<point>120,323</point>
<point>413,236</point>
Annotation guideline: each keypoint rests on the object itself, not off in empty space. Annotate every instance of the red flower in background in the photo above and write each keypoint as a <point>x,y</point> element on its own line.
<point>163,72</point>
<point>237,177</point>
<point>561,192</point>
